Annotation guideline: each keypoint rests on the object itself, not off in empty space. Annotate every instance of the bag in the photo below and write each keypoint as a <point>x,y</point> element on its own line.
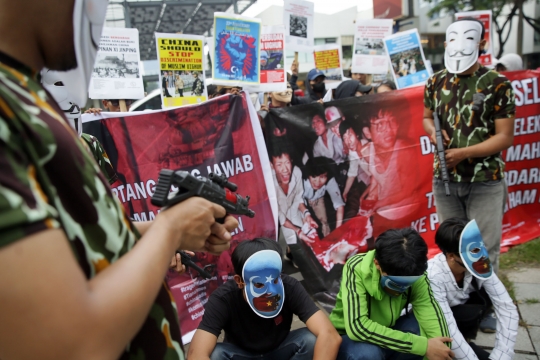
<point>469,315</point>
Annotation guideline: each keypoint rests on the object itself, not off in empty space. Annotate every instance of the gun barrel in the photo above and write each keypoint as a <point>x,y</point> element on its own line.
<point>440,153</point>
<point>186,260</point>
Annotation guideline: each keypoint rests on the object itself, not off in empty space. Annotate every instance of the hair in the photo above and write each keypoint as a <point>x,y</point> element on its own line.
<point>212,90</point>
<point>344,126</point>
<point>390,84</point>
<point>448,233</point>
<point>322,117</point>
<point>401,252</point>
<point>317,166</point>
<point>469,18</point>
<point>278,150</point>
<point>247,248</point>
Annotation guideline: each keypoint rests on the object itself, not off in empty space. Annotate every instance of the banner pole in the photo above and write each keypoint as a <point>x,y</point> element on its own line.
<point>123,107</point>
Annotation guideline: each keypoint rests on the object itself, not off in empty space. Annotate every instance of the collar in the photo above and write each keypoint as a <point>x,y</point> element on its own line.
<point>466,279</point>
<point>15,64</point>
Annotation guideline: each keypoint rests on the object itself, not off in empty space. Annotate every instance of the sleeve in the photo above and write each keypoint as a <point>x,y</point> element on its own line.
<point>292,81</point>
<point>101,157</point>
<point>333,190</point>
<point>299,190</point>
<point>360,327</point>
<point>295,295</point>
<point>505,102</point>
<point>216,315</point>
<point>460,347</point>
<point>428,91</point>
<point>507,319</point>
<point>23,205</point>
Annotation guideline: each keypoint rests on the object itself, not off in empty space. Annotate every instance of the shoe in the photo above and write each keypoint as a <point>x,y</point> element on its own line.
<point>289,257</point>
<point>489,323</point>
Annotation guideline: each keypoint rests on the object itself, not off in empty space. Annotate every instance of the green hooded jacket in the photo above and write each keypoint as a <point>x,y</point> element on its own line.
<point>365,312</point>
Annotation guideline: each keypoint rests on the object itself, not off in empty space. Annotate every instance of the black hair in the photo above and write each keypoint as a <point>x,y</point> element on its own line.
<point>247,248</point>
<point>211,90</point>
<point>448,233</point>
<point>317,166</point>
<point>346,125</point>
<point>387,83</point>
<point>401,252</point>
<point>468,18</point>
<point>278,149</point>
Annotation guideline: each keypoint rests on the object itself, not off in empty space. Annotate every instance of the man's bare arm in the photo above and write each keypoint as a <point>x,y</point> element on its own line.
<point>202,345</point>
<point>328,339</point>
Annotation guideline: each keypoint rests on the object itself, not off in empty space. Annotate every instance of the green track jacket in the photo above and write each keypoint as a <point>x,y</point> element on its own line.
<point>365,312</point>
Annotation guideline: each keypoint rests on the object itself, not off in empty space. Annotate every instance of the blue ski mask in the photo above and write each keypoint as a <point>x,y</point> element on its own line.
<point>264,289</point>
<point>473,252</point>
<point>397,285</point>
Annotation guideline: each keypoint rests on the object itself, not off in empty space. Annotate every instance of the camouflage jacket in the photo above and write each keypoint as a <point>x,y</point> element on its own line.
<point>49,180</point>
<point>468,107</point>
<point>101,157</point>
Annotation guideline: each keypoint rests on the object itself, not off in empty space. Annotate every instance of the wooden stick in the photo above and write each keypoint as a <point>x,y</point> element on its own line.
<point>123,107</point>
<point>296,56</point>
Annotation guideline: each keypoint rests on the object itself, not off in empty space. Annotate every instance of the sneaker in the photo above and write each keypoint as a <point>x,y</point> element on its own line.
<point>489,323</point>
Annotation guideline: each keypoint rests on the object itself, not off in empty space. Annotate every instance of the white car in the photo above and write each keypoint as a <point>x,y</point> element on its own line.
<point>151,101</point>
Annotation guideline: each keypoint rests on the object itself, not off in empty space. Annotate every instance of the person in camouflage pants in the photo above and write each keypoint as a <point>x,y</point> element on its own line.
<point>72,282</point>
<point>476,108</point>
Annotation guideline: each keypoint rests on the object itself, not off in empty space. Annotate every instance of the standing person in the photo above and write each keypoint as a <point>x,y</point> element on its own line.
<point>179,84</point>
<point>477,114</point>
<point>165,84</point>
<point>198,86</point>
<point>315,87</point>
<point>57,207</point>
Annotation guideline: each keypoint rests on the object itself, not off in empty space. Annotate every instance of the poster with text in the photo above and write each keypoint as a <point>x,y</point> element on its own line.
<point>116,73</point>
<point>181,69</point>
<point>369,54</point>
<point>328,60</point>
<point>485,17</point>
<point>221,136</point>
<point>272,60</point>
<point>406,59</point>
<point>298,18</point>
<point>236,50</point>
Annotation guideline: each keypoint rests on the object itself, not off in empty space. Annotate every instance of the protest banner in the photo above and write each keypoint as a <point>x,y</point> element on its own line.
<point>236,50</point>
<point>364,165</point>
<point>181,65</point>
<point>328,60</point>
<point>116,73</point>
<point>485,16</point>
<point>272,59</point>
<point>407,58</point>
<point>369,54</point>
<point>223,136</point>
<point>298,18</point>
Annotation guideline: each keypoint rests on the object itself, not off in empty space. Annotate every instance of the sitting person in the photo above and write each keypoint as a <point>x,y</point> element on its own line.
<point>256,310</point>
<point>465,286</point>
<point>375,288</point>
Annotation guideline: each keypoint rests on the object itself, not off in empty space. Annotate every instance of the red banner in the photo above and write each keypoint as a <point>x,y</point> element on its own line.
<point>216,136</point>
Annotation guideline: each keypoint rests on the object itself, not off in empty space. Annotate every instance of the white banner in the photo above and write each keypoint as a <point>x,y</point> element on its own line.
<point>369,54</point>
<point>298,20</point>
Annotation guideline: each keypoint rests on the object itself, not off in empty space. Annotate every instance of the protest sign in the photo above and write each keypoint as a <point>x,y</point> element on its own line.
<point>363,165</point>
<point>223,136</point>
<point>236,50</point>
<point>298,19</point>
<point>406,58</point>
<point>116,73</point>
<point>369,54</point>
<point>328,60</point>
<point>272,59</point>
<point>485,17</point>
<point>181,65</point>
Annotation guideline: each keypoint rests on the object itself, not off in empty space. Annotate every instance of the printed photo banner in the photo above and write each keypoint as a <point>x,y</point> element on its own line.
<point>485,16</point>
<point>407,59</point>
<point>272,60</point>
<point>369,53</point>
<point>343,190</point>
<point>328,59</point>
<point>181,69</point>
<point>298,17</point>
<point>116,73</point>
<point>236,50</point>
<point>223,136</point>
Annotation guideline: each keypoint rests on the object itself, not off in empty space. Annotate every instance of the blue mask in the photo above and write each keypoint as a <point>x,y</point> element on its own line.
<point>473,252</point>
<point>264,289</point>
<point>397,285</point>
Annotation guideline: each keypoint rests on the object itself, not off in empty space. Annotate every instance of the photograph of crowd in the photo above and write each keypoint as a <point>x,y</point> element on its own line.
<point>124,66</point>
<point>181,83</point>
<point>367,46</point>
<point>298,26</point>
<point>407,62</point>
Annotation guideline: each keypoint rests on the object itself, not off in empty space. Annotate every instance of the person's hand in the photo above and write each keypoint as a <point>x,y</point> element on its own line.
<point>437,349</point>
<point>309,239</point>
<point>294,67</point>
<point>95,111</point>
<point>345,193</point>
<point>220,239</point>
<point>320,101</point>
<point>454,157</point>
<point>433,137</point>
<point>309,220</point>
<point>176,263</point>
<point>264,108</point>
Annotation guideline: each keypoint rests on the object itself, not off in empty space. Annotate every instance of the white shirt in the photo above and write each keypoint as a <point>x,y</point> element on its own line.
<point>333,190</point>
<point>288,203</point>
<point>356,168</point>
<point>333,151</point>
<point>449,294</point>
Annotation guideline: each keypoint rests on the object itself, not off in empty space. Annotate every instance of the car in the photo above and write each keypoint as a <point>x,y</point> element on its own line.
<point>151,101</point>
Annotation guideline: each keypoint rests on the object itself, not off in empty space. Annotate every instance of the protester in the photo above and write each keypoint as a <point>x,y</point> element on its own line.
<point>57,207</point>
<point>509,62</point>
<point>385,86</point>
<point>465,286</point>
<point>212,91</point>
<point>474,134</point>
<point>315,88</point>
<point>365,79</point>
<point>110,105</point>
<point>256,310</point>
<point>351,88</point>
<point>376,288</point>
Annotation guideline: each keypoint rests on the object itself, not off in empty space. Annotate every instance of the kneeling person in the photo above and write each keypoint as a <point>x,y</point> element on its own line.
<point>466,286</point>
<point>256,310</point>
<point>376,288</point>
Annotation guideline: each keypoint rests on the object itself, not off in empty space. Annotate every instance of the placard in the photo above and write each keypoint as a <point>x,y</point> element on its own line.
<point>298,19</point>
<point>328,60</point>
<point>369,54</point>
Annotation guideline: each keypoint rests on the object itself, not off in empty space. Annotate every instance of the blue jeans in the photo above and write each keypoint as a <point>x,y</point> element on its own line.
<point>482,201</point>
<point>298,345</point>
<point>357,350</point>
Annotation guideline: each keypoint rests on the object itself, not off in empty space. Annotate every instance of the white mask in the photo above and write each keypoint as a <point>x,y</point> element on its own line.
<point>88,20</point>
<point>462,39</point>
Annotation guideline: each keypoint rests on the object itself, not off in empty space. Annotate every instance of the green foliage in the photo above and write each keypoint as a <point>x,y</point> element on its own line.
<point>527,254</point>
